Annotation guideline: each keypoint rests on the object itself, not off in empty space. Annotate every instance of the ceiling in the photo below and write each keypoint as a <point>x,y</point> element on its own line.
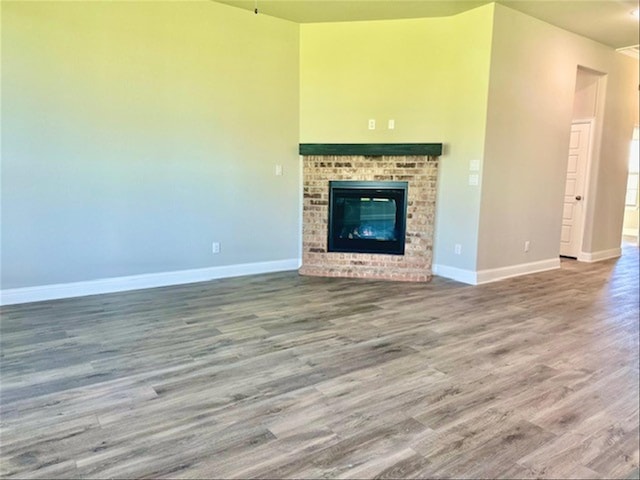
<point>606,21</point>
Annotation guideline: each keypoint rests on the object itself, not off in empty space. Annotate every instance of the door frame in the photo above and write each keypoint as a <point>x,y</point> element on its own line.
<point>586,186</point>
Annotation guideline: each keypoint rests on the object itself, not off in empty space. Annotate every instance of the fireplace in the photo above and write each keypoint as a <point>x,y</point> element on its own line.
<point>367,217</point>
<point>368,210</point>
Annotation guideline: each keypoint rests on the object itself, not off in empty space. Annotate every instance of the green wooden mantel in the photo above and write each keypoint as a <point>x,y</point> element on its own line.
<point>371,149</point>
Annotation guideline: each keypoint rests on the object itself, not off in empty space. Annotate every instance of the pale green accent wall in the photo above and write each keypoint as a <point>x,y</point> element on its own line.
<point>530,108</point>
<point>136,133</point>
<point>430,76</point>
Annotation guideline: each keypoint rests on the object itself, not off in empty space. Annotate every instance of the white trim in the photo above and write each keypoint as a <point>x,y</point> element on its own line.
<point>135,282</point>
<point>458,274</point>
<point>496,274</point>
<point>583,120</point>
<point>601,255</point>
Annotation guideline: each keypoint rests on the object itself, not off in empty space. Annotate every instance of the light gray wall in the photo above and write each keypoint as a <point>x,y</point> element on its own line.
<point>136,133</point>
<point>609,184</point>
<point>531,96</point>
<point>585,100</point>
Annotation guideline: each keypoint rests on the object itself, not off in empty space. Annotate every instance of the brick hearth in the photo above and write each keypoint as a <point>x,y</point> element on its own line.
<point>421,174</point>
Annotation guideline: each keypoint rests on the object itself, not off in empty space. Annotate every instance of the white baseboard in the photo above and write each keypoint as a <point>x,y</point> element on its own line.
<point>458,274</point>
<point>136,282</point>
<point>495,274</point>
<point>601,255</point>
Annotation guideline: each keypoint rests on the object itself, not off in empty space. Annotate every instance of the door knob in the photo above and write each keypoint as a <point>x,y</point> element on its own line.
<point>578,197</point>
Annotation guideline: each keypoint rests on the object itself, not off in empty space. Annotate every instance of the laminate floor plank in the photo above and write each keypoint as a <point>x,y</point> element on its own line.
<point>283,376</point>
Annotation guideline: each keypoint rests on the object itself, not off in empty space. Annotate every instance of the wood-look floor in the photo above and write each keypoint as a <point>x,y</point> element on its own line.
<point>281,376</point>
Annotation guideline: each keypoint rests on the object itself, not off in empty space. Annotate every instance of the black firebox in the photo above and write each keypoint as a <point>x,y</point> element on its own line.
<point>367,217</point>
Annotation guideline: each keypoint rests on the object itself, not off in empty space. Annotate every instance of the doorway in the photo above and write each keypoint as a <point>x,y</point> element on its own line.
<point>631,225</point>
<point>588,105</point>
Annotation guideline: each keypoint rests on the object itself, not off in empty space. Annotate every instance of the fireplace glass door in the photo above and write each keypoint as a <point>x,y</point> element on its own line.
<point>367,217</point>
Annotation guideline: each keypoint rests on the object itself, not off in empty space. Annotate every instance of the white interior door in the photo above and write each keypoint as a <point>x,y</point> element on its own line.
<point>573,211</point>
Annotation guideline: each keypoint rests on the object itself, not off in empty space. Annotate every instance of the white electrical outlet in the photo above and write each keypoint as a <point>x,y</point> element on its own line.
<point>215,247</point>
<point>392,124</point>
<point>474,179</point>
<point>457,249</point>
<point>526,245</point>
<point>278,170</point>
<point>372,124</point>
<point>474,165</point>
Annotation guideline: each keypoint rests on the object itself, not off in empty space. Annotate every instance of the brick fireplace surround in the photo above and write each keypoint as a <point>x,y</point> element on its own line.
<point>416,164</point>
